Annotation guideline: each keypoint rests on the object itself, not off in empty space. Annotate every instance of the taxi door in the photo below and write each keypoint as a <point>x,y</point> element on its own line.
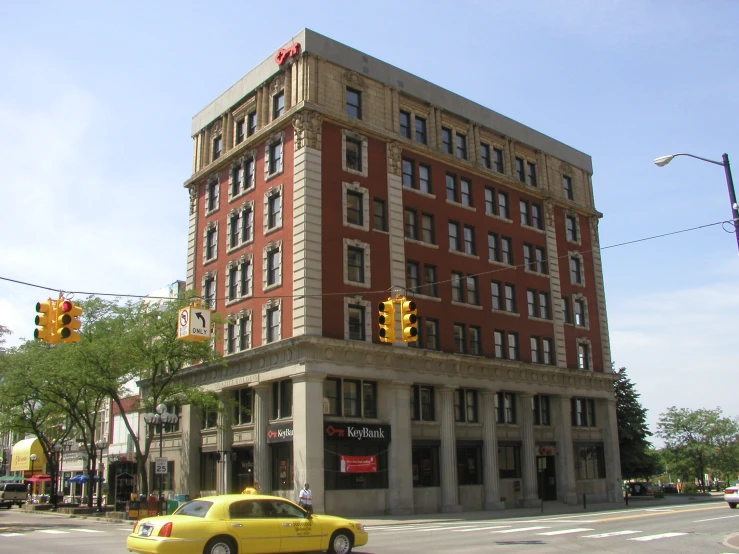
<point>256,529</point>
<point>300,533</point>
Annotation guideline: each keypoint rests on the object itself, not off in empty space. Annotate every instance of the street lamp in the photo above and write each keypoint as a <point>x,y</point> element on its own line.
<point>159,419</point>
<point>33,461</point>
<point>101,444</point>
<point>55,484</point>
<point>664,160</point>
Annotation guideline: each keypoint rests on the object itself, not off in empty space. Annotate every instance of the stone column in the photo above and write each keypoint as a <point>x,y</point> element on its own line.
<point>308,436</point>
<point>400,474</point>
<point>448,454</point>
<point>611,450</point>
<point>260,417</point>
<point>528,452</point>
<point>562,419</point>
<point>491,472</point>
<point>189,474</point>
<point>224,442</point>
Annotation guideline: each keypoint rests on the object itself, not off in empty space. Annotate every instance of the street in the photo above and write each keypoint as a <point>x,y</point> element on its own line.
<point>695,528</point>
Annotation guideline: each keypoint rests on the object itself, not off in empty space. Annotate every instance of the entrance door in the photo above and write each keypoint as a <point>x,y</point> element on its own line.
<point>547,477</point>
<point>242,469</point>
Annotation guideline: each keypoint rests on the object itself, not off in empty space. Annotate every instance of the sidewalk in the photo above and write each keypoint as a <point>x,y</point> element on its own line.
<point>550,508</point>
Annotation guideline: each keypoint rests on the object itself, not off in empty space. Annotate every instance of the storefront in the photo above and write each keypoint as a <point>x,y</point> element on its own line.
<point>280,441</point>
<point>28,457</point>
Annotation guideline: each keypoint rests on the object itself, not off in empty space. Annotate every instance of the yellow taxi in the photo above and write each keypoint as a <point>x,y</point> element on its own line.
<point>238,523</point>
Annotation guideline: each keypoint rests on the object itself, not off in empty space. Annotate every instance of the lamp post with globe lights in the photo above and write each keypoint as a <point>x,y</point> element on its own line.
<point>33,459</point>
<point>664,160</point>
<point>101,444</point>
<point>58,447</point>
<point>158,420</point>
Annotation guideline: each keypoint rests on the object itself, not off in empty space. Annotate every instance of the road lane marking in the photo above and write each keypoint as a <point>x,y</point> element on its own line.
<point>715,518</point>
<point>652,514</point>
<point>612,534</point>
<point>657,537</point>
<point>53,532</point>
<point>11,534</point>
<point>520,529</point>
<point>88,531</point>
<point>565,531</point>
<point>447,528</point>
<point>480,528</point>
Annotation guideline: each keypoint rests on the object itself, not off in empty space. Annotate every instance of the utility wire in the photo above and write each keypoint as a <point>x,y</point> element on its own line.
<point>383,291</point>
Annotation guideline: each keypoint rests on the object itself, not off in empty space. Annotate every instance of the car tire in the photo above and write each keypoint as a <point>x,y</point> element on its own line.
<point>732,505</point>
<point>220,545</point>
<point>341,542</point>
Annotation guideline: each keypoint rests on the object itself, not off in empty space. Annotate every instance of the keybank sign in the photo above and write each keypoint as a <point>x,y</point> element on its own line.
<point>349,431</point>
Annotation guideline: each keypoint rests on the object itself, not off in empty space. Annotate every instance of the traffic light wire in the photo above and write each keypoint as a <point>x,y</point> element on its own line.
<point>383,291</point>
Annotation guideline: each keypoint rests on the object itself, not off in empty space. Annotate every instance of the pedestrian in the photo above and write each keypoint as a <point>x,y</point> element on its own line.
<point>305,499</point>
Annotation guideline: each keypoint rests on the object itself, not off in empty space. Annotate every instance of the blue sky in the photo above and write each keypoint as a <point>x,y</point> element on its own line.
<point>96,102</point>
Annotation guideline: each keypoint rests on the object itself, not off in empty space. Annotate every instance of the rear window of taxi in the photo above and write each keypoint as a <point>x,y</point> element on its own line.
<point>196,508</point>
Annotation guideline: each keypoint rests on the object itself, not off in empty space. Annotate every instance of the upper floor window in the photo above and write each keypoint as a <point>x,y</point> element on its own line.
<point>583,356</point>
<point>274,210</point>
<point>531,174</point>
<point>485,155</point>
<point>579,305</point>
<point>454,237</point>
<point>354,154</point>
<point>503,205</point>
<point>420,130</point>
<point>275,157</point>
<point>461,146</point>
<point>506,250</point>
<point>356,322</point>
<point>209,292</point>
<point>422,403</point>
<point>411,223</point>
<point>353,103</point>
<point>446,140</point>
<point>354,207</point>
<point>240,132</point>
<point>457,287</point>
<point>409,173</point>
<point>251,124</point>
<point>542,410</point>
<point>429,281</point>
<point>274,260</point>
<point>282,399</point>
<point>520,171</point>
<point>452,190</point>
<point>379,214</point>
<point>349,397</point>
<point>459,341</point>
<point>210,242</point>
<point>469,240</point>
<point>405,124</point>
<point>243,406</point>
<point>278,105</point>
<point>571,228</point>
<point>412,276</point>
<point>498,160</point>
<point>212,190</point>
<point>356,270</point>
<point>465,187</point>
<point>575,270</point>
<point>465,405</point>
<point>355,264</point>
<point>272,324</point>
<point>566,314</point>
<point>217,147</point>
<point>505,407</point>
<point>583,412</point>
<point>424,178</point>
<point>567,187</point>
<point>427,229</point>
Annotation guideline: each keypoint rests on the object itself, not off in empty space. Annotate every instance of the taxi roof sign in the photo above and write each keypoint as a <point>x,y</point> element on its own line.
<point>193,324</point>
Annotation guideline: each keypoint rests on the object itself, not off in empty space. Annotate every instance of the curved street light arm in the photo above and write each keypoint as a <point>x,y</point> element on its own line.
<point>700,158</point>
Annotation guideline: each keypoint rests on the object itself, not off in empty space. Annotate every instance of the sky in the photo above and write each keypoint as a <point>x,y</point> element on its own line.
<point>97,98</point>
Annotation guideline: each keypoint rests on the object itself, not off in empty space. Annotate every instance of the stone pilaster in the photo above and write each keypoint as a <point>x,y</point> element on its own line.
<point>609,424</point>
<point>308,436</point>
<point>528,452</point>
<point>491,472</point>
<point>224,442</point>
<point>600,294</point>
<point>448,454</point>
<point>555,285</point>
<point>400,474</point>
<point>262,465</point>
<point>562,418</point>
<point>189,474</point>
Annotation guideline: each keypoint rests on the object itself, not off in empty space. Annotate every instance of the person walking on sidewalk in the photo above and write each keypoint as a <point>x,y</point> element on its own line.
<point>305,498</point>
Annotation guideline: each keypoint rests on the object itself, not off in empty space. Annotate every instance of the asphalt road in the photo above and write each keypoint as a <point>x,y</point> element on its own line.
<point>695,528</point>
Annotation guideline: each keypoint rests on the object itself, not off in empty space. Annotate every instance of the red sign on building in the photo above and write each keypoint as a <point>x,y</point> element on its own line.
<point>358,464</point>
<point>284,53</point>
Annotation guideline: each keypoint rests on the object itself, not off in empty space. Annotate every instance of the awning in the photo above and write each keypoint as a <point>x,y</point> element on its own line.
<point>21,457</point>
<point>82,478</point>
<point>12,478</point>
<point>43,478</point>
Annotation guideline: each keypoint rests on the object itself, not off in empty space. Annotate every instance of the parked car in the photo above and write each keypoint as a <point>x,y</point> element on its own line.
<point>669,488</point>
<point>233,523</point>
<point>731,495</point>
<point>641,488</point>
<point>13,493</point>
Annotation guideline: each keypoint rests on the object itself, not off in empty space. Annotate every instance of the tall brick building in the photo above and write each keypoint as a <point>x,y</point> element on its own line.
<point>325,181</point>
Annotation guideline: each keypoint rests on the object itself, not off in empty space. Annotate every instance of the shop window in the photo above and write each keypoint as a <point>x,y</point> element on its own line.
<point>542,414</point>
<point>349,398</point>
<point>465,405</point>
<point>208,471</point>
<point>590,462</point>
<point>243,406</point>
<point>505,407</point>
<point>334,479</point>
<point>469,465</point>
<point>282,467</point>
<point>282,399</point>
<point>422,403</point>
<point>425,466</point>
<point>509,461</point>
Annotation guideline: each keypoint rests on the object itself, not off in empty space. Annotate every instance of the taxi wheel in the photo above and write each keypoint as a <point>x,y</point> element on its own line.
<point>732,505</point>
<point>220,545</point>
<point>341,543</point>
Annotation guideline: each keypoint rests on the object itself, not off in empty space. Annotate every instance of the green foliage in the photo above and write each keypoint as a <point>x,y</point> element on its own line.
<point>689,488</point>
<point>638,459</point>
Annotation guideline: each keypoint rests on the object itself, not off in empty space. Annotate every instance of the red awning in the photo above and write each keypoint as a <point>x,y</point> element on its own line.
<point>42,478</point>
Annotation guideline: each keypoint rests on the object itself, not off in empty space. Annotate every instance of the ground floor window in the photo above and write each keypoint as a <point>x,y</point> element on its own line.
<point>122,478</point>
<point>509,460</point>
<point>334,479</point>
<point>161,482</point>
<point>425,465</point>
<point>469,464</point>
<point>208,471</point>
<point>242,469</point>
<point>589,461</point>
<point>282,467</point>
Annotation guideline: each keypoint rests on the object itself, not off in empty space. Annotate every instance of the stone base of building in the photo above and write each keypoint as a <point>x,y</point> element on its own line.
<point>452,508</point>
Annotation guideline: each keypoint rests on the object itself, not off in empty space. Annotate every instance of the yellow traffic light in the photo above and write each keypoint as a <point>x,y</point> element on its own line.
<point>386,321</point>
<point>67,321</point>
<point>409,320</point>
<point>46,322</point>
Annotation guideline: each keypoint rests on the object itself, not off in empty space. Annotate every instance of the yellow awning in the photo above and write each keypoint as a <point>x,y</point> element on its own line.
<point>21,457</point>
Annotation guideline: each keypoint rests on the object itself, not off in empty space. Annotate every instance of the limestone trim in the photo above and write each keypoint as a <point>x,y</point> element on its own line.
<point>600,295</point>
<point>308,126</point>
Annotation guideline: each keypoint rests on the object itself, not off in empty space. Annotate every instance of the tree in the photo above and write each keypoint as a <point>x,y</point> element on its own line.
<point>3,331</point>
<point>638,460</point>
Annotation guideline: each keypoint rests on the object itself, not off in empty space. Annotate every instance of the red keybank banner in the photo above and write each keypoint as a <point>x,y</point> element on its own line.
<point>358,464</point>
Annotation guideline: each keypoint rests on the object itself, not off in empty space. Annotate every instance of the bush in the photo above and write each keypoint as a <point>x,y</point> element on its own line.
<point>690,488</point>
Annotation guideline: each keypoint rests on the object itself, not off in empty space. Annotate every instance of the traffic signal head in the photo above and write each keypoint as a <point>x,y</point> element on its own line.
<point>46,322</point>
<point>67,321</point>
<point>409,320</point>
<point>386,321</point>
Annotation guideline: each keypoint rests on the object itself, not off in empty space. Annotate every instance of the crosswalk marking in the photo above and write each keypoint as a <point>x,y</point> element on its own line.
<point>657,537</point>
<point>480,528</point>
<point>53,532</point>
<point>88,530</point>
<point>520,529</point>
<point>11,534</point>
<point>566,531</point>
<point>612,534</point>
<point>714,518</point>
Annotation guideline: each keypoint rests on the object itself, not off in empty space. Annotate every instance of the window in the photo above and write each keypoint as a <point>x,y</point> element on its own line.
<point>273,267</point>
<point>275,157</point>
<point>590,462</point>
<point>579,305</point>
<point>469,240</point>
<point>354,207</point>
<point>520,172</point>
<point>459,342</point>
<point>230,338</point>
<point>542,411</point>
<point>446,140</point>
<point>461,146</point>
<point>353,103</point>
<point>454,236</point>
<point>356,323</point>
<point>282,399</point>
<point>469,465</point>
<point>538,303</point>
<point>541,260</point>
<point>240,130</point>
<point>210,242</point>
<point>278,105</point>
<point>429,280</point>
<point>379,214</point>
<point>466,190</point>
<point>493,249</point>
<point>531,174</point>
<point>566,310</point>
<point>234,225</point>
<point>498,160</point>
<point>457,287</point>
<point>544,305</point>
<point>452,192</point>
<point>405,124</point>
<point>583,412</point>
<point>475,344</point>
<point>499,338</point>
<point>567,187</point>
<point>251,124</point>
<point>248,173</point>
<point>425,465</point>
<point>350,398</point>
<point>510,298</point>
<point>472,297</point>
<point>424,178</point>
<point>489,201</point>
<point>431,326</point>
<point>524,211</point>
<point>412,277</point>
<point>509,461</point>
<point>583,356</point>
<point>505,407</point>
<point>245,277</point>
<point>273,324</point>
<point>274,210</point>
<point>495,288</point>
<point>354,154</point>
<point>410,219</point>
<point>485,155</point>
<point>420,130</point>
<point>355,264</point>
<point>243,406</point>
<point>244,332</point>
<point>531,302</point>
<point>212,195</point>
<point>513,346</point>
<point>571,228</point>
<point>528,257</point>
<point>233,282</point>
<point>575,270</point>
<point>465,405</point>
<point>427,228</point>
<point>422,403</point>
<point>541,351</point>
<point>217,147</point>
<point>409,177</point>
<point>536,221</point>
<point>547,351</point>
<point>503,205</point>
